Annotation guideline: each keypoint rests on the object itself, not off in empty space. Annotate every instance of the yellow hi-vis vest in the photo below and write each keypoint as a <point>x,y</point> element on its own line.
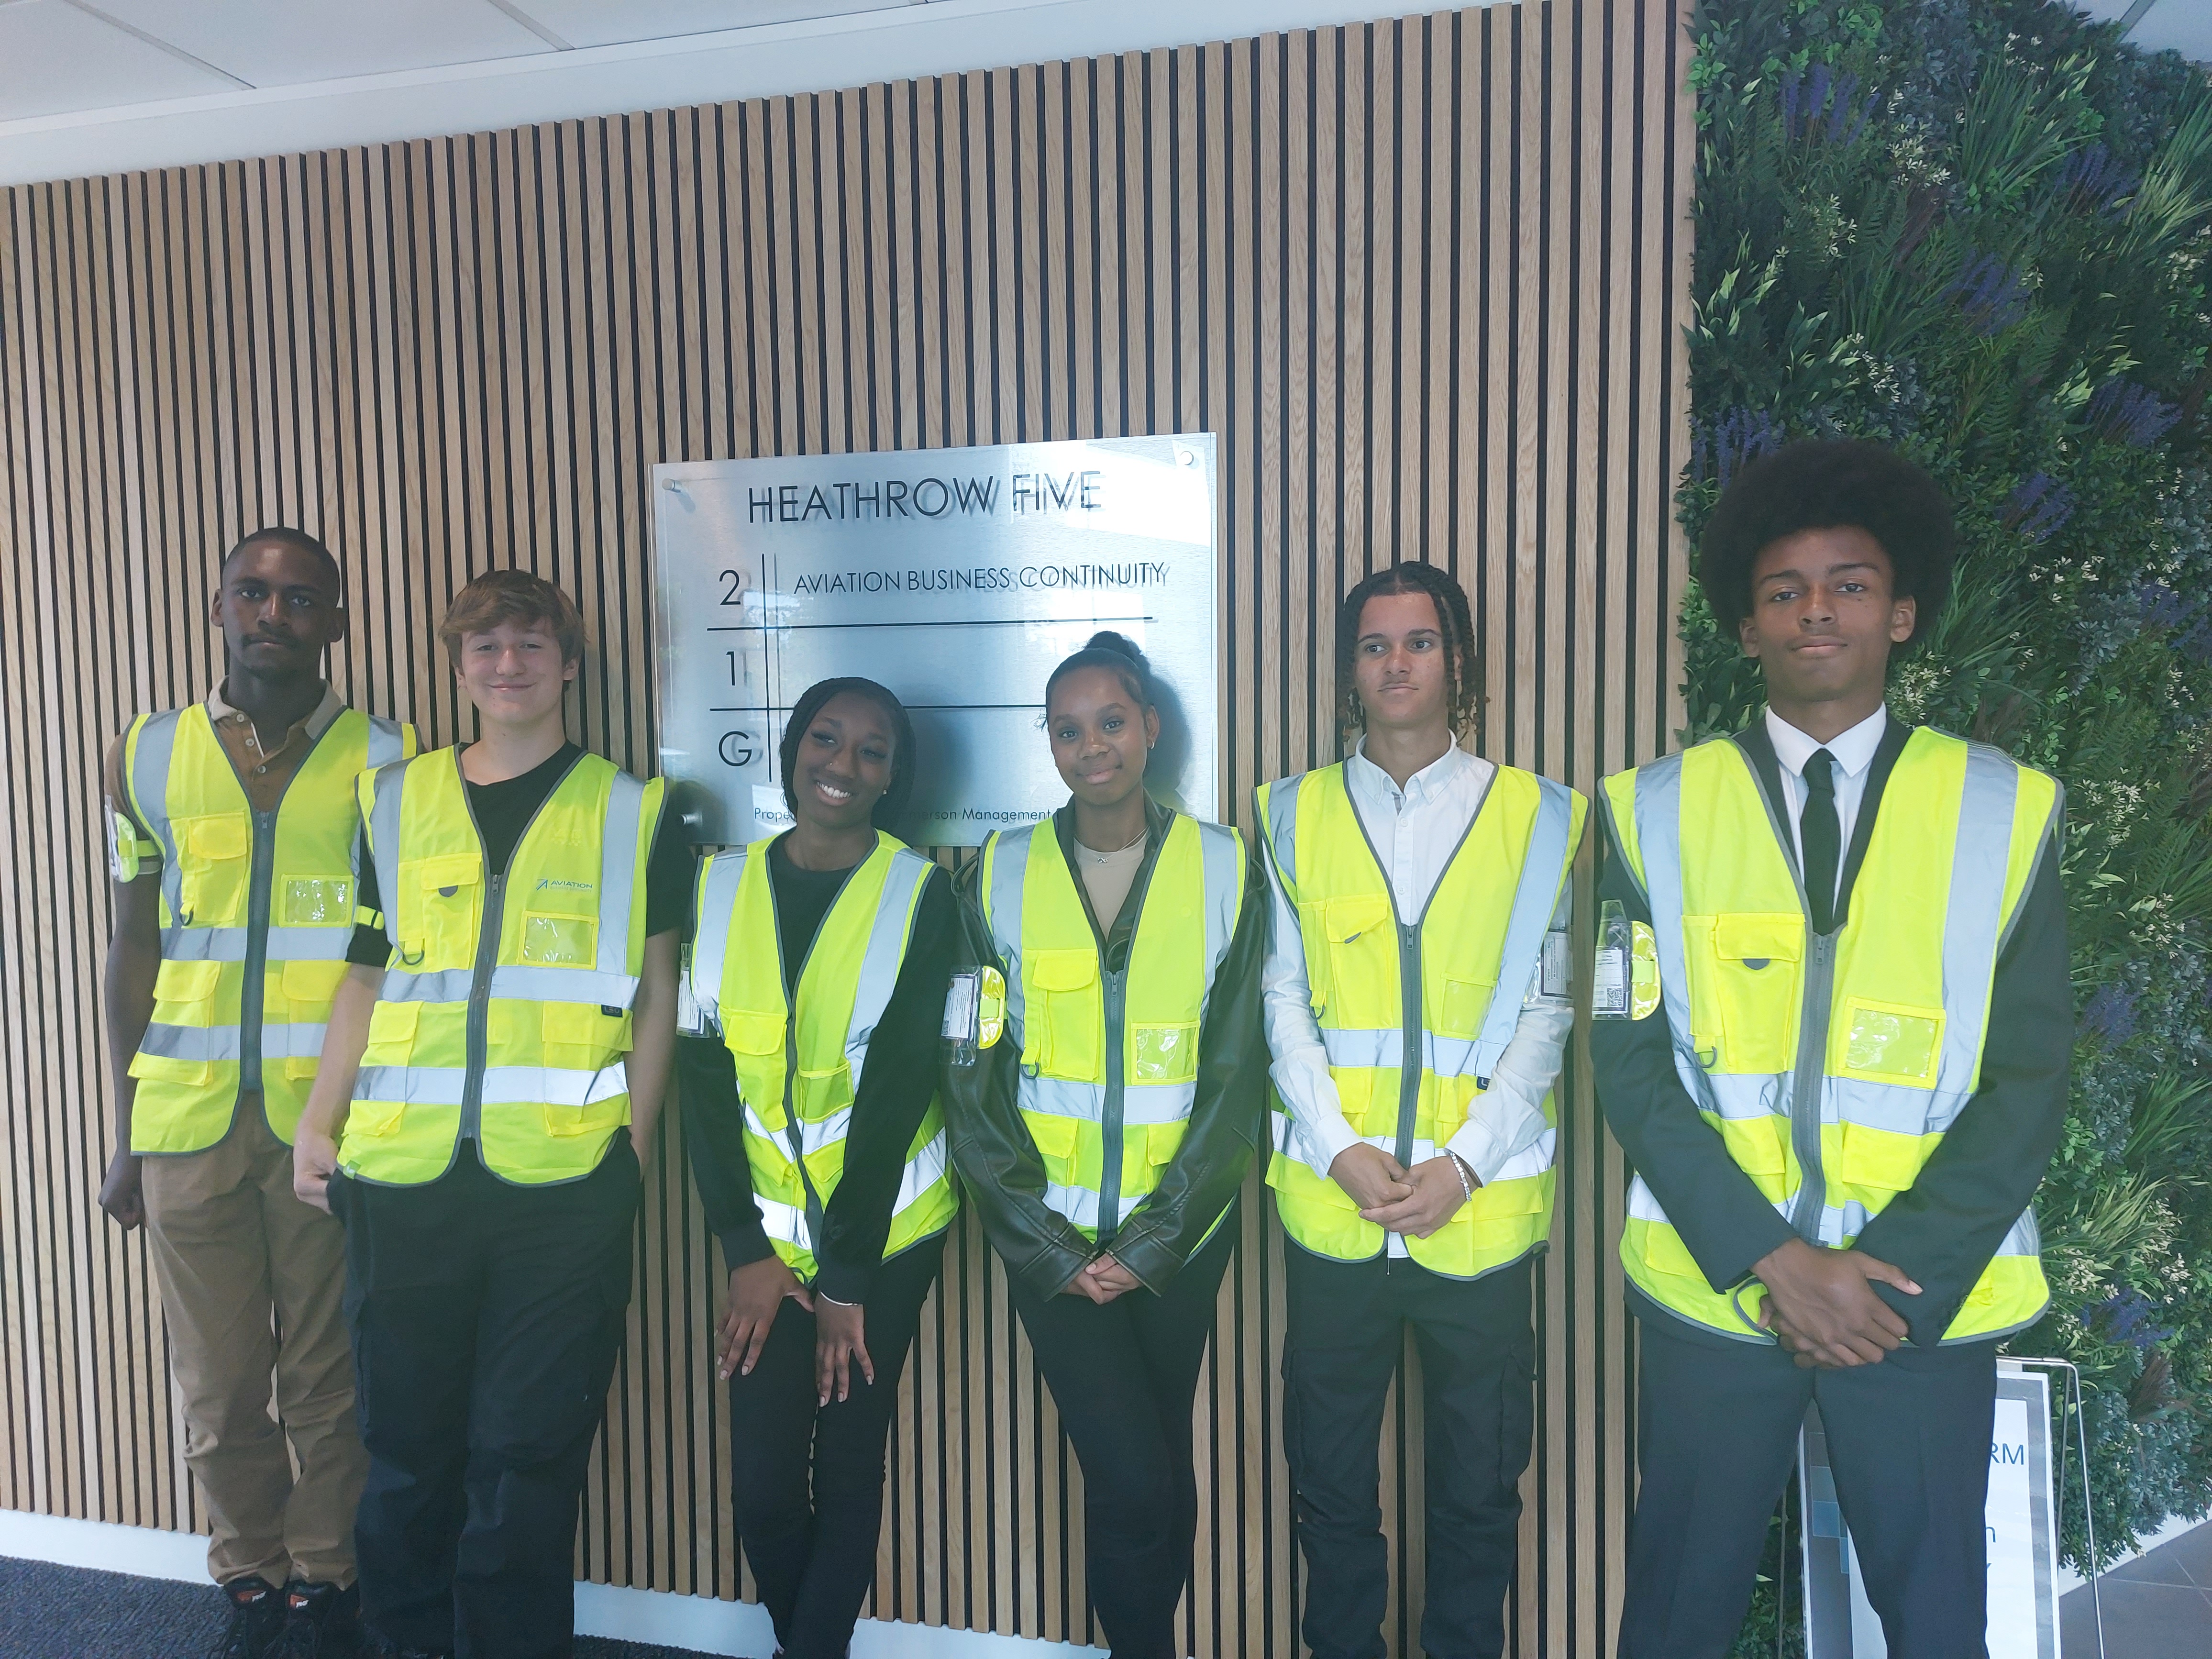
<point>257,912</point>
<point>506,1012</point>
<point>798,1071</point>
<point>1830,1066</point>
<point>1415,1015</point>
<point>1110,1060</point>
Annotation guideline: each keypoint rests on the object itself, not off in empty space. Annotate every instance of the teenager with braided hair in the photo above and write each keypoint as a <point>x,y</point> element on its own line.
<point>1417,1005</point>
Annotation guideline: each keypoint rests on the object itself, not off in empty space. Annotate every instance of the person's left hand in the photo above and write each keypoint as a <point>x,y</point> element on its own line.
<point>1437,1197</point>
<point>1106,1279</point>
<point>840,1339</point>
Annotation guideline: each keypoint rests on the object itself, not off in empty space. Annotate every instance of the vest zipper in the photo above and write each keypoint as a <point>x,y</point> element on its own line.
<point>1110,1127</point>
<point>1410,1068</point>
<point>1806,1083</point>
<point>793,1133</point>
<point>252,996</point>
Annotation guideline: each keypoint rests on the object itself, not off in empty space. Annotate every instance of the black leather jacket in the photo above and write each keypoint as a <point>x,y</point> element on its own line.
<point>1000,1169</point>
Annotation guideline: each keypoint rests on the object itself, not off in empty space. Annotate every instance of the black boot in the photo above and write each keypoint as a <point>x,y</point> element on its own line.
<point>256,1618</point>
<point>321,1621</point>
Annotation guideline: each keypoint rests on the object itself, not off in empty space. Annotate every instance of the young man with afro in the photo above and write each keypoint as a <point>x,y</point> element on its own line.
<point>1831,1029</point>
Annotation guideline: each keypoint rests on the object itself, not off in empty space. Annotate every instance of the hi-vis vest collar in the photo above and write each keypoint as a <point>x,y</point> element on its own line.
<point>797,1078</point>
<point>1831,1066</point>
<point>187,938</point>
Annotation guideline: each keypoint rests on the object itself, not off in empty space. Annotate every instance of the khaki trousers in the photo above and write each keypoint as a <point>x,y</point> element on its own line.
<point>253,1282</point>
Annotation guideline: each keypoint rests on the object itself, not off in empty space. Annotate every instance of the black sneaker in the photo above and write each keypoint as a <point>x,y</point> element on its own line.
<point>321,1621</point>
<point>256,1618</point>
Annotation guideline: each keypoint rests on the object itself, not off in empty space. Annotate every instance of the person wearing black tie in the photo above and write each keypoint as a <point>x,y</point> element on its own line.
<point>1831,1028</point>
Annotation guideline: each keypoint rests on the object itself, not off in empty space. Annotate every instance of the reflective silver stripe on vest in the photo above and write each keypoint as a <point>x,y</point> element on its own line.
<point>618,852</point>
<point>923,1171</point>
<point>503,1085</point>
<point>228,944</point>
<point>513,982</point>
<point>1141,1103</point>
<point>149,789</point>
<point>718,904</point>
<point>387,743</point>
<point>1532,1160</point>
<point>1223,867</point>
<point>783,1222</point>
<point>296,1041</point>
<point>1972,920</point>
<point>384,848</point>
<point>1535,900</point>
<point>879,962</point>
<point>1002,909</point>
<point>1659,834</point>
<point>1282,829</point>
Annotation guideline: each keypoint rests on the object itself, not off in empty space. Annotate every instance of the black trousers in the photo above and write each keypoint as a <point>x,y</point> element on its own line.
<point>486,1320</point>
<point>1123,1377</point>
<point>1345,1324</point>
<point>1716,1441</point>
<point>806,1480</point>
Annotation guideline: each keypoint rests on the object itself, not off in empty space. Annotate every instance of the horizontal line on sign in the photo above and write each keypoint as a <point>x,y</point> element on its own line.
<point>785,709</point>
<point>750,709</point>
<point>960,622</point>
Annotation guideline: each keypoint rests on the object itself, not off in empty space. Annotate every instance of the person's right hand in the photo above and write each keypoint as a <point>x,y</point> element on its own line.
<point>1820,1302</point>
<point>120,1194</point>
<point>756,1292</point>
<point>314,1155</point>
<point>1371,1175</point>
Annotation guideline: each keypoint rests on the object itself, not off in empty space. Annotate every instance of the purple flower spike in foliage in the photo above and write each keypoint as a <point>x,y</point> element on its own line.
<point>2133,414</point>
<point>2110,1014</point>
<point>1865,114</point>
<point>2039,507</point>
<point>1816,93</point>
<point>2124,1316</point>
<point>1990,292</point>
<point>2159,607</point>
<point>1789,90</point>
<point>2093,180</point>
<point>1738,438</point>
<point>1806,101</point>
<point>1839,108</point>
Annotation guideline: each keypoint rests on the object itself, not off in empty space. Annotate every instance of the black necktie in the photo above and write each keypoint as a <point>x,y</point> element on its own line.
<point>1821,835</point>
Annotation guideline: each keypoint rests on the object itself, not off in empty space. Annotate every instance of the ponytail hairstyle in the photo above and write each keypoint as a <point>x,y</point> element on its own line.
<point>1463,696</point>
<point>891,805</point>
<point>1119,656</point>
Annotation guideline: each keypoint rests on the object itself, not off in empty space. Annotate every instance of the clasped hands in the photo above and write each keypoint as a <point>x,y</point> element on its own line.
<point>1820,1305</point>
<point>1417,1200</point>
<point>758,1292</point>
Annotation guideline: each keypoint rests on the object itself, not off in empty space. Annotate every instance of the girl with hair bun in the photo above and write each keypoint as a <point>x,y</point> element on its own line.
<point>1104,1141</point>
<point>820,966</point>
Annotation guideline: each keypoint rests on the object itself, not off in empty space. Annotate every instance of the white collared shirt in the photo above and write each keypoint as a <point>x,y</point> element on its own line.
<point>1414,832</point>
<point>1853,752</point>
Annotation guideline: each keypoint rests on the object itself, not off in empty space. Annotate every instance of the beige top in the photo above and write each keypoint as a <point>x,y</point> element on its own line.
<point>263,771</point>
<point>1106,879</point>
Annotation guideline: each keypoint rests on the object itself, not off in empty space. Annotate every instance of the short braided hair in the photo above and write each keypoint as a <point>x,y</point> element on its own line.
<point>1454,621</point>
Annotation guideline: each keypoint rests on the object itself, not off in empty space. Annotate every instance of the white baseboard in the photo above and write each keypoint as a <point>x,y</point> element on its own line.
<point>698,1623</point>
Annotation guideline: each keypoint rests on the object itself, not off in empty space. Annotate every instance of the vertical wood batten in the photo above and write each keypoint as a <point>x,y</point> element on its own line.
<point>1424,279</point>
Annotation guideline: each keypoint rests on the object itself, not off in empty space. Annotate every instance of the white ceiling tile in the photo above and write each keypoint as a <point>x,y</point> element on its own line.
<point>274,43</point>
<point>615,22</point>
<point>55,59</point>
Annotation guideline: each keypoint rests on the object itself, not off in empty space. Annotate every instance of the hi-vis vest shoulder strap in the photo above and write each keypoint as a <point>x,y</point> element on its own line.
<point>1414,1013</point>
<point>1109,1058</point>
<point>256,914</point>
<point>1831,1067</point>
<point>799,1069</point>
<point>505,1014</point>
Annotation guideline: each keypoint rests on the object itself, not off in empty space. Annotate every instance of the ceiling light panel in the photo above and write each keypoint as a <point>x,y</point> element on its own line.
<point>617,22</point>
<point>275,43</point>
<point>60,60</point>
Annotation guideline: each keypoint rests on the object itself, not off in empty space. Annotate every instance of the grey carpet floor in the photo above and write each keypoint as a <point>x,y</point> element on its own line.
<point>67,1612</point>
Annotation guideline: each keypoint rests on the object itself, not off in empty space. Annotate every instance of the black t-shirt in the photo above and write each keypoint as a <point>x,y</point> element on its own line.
<point>502,811</point>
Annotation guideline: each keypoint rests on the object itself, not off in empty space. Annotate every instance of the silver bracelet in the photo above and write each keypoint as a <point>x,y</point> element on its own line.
<point>1466,1185</point>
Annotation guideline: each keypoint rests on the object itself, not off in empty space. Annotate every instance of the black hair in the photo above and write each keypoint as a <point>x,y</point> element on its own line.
<point>1454,621</point>
<point>811,702</point>
<point>285,536</point>
<point>1830,484</point>
<point>1118,655</point>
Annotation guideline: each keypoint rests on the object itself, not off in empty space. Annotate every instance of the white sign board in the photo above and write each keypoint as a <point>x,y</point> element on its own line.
<point>2022,1537</point>
<point>958,578</point>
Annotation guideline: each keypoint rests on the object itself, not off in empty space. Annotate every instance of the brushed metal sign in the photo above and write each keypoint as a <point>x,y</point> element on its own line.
<point>958,578</point>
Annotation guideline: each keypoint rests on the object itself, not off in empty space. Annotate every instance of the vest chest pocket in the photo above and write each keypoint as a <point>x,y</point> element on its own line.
<point>442,911</point>
<point>560,941</point>
<point>755,1041</point>
<point>1065,1026</point>
<point>1359,937</point>
<point>1464,1003</point>
<point>1163,1053</point>
<point>215,859</point>
<point>316,902</point>
<point>1892,1042</point>
<point>1746,984</point>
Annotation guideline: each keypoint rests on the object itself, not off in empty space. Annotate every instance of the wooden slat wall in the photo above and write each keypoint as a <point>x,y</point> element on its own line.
<point>1425,279</point>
